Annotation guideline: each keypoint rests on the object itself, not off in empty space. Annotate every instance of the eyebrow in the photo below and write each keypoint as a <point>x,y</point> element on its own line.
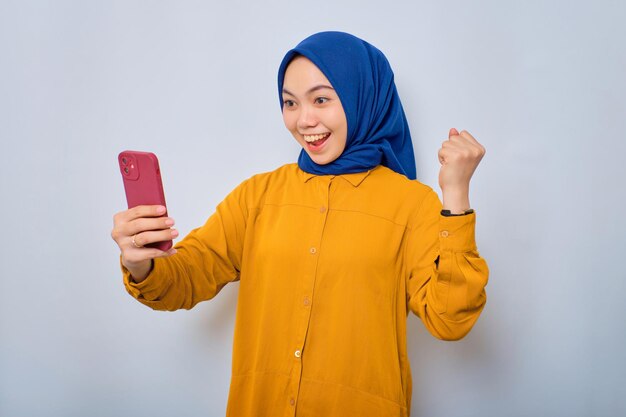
<point>317,87</point>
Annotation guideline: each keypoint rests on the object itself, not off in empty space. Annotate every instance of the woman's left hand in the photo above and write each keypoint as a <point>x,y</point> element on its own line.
<point>459,156</point>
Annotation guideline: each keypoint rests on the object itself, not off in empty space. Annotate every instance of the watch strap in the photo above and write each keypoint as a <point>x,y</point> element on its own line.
<point>448,213</point>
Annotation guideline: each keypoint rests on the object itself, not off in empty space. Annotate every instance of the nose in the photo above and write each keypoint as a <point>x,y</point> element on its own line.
<point>307,118</point>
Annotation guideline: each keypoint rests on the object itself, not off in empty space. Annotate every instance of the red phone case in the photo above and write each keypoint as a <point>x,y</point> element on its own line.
<point>142,183</point>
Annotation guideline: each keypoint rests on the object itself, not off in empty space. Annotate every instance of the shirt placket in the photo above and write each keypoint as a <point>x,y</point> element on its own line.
<point>305,294</point>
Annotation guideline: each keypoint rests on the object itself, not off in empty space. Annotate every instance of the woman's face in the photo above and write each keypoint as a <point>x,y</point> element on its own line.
<point>312,111</point>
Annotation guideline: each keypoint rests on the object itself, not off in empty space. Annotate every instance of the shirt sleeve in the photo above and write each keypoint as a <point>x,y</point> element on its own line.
<point>207,259</point>
<point>446,277</point>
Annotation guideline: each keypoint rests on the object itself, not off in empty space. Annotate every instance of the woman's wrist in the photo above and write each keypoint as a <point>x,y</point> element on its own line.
<point>456,200</point>
<point>140,272</point>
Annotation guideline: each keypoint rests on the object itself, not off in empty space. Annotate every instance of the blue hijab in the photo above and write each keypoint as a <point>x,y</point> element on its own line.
<point>378,133</point>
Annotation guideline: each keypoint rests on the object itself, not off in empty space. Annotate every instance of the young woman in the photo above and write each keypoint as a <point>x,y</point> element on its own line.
<point>332,252</point>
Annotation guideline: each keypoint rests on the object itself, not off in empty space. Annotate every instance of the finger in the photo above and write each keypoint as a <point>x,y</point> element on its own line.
<point>466,134</point>
<point>157,253</point>
<point>144,254</point>
<point>123,229</point>
<point>448,149</point>
<point>456,138</point>
<point>463,144</point>
<point>442,155</point>
<point>145,238</point>
<point>471,140</point>
<point>453,145</point>
<point>469,137</point>
<point>144,211</point>
<point>170,252</point>
<point>451,153</point>
<point>453,132</point>
<point>457,152</point>
<point>145,224</point>
<point>163,254</point>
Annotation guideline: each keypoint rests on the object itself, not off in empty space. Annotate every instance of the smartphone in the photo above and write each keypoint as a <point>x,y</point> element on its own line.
<point>142,183</point>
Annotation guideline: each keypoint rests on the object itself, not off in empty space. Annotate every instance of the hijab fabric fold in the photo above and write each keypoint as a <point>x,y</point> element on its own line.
<point>378,132</point>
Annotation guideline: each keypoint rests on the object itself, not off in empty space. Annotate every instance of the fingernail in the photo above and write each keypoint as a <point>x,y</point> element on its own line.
<point>160,210</point>
<point>169,222</point>
<point>174,232</point>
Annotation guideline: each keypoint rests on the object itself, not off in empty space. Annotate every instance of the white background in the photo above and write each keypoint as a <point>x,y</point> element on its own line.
<point>541,84</point>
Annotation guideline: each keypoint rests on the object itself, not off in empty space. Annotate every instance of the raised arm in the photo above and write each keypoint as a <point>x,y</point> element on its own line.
<point>447,277</point>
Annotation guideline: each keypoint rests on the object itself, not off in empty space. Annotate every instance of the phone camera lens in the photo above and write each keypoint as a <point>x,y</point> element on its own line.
<point>124,161</point>
<point>126,170</point>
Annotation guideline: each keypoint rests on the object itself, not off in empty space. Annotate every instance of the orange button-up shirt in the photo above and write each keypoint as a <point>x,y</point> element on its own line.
<point>328,268</point>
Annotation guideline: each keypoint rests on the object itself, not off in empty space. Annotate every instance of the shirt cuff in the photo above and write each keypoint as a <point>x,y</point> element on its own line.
<point>149,288</point>
<point>457,233</point>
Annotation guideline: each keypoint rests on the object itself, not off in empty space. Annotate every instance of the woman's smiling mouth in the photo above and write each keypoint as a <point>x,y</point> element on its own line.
<point>314,138</point>
<point>316,142</point>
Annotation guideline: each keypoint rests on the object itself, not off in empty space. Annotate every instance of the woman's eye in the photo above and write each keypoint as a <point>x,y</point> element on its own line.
<point>288,103</point>
<point>321,100</point>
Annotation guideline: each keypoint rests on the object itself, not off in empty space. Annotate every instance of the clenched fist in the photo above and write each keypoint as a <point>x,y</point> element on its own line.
<point>459,156</point>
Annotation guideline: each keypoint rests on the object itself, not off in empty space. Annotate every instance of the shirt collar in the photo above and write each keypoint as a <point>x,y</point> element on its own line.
<point>355,179</point>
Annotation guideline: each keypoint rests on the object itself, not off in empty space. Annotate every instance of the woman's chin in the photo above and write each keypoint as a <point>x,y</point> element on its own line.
<point>321,161</point>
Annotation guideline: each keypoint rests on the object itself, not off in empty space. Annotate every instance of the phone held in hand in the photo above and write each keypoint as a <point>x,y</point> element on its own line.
<point>142,183</point>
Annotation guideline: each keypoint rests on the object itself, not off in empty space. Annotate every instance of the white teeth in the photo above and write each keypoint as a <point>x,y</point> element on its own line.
<point>313,138</point>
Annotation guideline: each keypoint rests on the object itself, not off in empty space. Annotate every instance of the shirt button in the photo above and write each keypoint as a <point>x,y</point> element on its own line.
<point>292,401</point>
<point>313,250</point>
<point>322,209</point>
<point>444,233</point>
<point>298,353</point>
<point>307,301</point>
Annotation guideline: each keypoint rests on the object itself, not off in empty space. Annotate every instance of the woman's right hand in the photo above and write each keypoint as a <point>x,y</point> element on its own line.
<point>146,224</point>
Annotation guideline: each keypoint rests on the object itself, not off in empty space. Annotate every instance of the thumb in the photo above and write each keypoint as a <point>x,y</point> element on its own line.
<point>453,132</point>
